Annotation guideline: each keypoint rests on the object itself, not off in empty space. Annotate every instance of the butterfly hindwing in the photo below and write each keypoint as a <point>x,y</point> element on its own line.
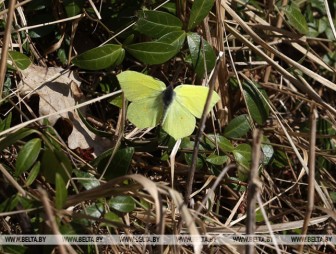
<point>178,121</point>
<point>193,98</point>
<point>138,86</point>
<point>146,112</point>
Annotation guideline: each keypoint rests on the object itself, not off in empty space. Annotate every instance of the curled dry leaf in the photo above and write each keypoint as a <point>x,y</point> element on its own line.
<point>55,94</point>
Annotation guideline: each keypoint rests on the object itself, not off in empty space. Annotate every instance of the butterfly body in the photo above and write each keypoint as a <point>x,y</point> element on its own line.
<point>153,104</point>
<point>168,96</point>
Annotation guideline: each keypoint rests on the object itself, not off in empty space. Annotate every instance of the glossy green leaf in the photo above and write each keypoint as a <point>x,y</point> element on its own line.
<point>267,150</point>
<point>199,10</point>
<point>175,39</point>
<point>188,144</point>
<point>217,159</point>
<point>152,52</point>
<point>73,7</point>
<point>12,138</point>
<point>223,143</point>
<point>95,210</point>
<point>27,155</point>
<point>156,24</point>
<point>296,19</point>
<point>123,204</point>
<point>20,60</point>
<point>53,162</point>
<point>66,229</point>
<point>33,173</point>
<point>170,7</point>
<point>200,49</point>
<point>100,58</point>
<point>61,191</point>
<point>119,165</point>
<point>111,216</point>
<point>243,156</point>
<point>6,122</point>
<point>237,127</point>
<point>199,161</point>
<point>257,105</point>
<point>86,179</point>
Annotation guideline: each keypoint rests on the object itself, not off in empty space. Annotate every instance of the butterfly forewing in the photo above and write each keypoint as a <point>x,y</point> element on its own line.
<point>138,86</point>
<point>178,122</point>
<point>193,98</point>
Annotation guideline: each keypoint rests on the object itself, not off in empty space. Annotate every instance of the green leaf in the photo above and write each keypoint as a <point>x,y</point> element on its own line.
<point>123,204</point>
<point>237,127</point>
<point>27,155</point>
<point>296,19</point>
<point>100,58</point>
<point>111,216</point>
<point>117,101</point>
<point>11,203</point>
<point>257,105</point>
<point>20,60</point>
<point>188,144</point>
<point>53,162</point>
<point>267,150</point>
<point>217,159</point>
<point>5,123</point>
<point>156,24</point>
<point>62,56</point>
<point>73,7</point>
<point>259,216</point>
<point>12,138</point>
<point>119,165</point>
<point>33,173</point>
<point>332,195</point>
<point>280,160</point>
<point>175,39</point>
<point>199,10</point>
<point>199,161</point>
<point>87,180</point>
<point>61,191</point>
<point>152,52</point>
<point>170,7</point>
<point>223,143</point>
<point>95,210</point>
<point>243,156</point>
<point>15,249</point>
<point>200,49</point>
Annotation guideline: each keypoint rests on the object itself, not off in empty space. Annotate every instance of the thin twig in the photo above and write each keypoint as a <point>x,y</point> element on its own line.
<point>5,44</point>
<point>311,175</point>
<point>253,187</point>
<point>17,5</point>
<point>52,223</point>
<point>191,174</point>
